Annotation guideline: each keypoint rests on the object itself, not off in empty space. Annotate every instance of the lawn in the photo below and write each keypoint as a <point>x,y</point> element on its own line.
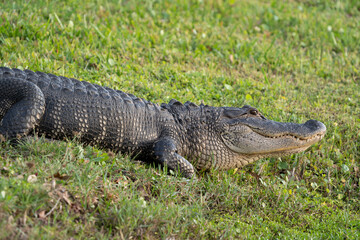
<point>293,60</point>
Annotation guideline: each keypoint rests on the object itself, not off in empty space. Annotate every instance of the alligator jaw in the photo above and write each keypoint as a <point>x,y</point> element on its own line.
<point>264,137</point>
<point>304,132</point>
<point>296,144</point>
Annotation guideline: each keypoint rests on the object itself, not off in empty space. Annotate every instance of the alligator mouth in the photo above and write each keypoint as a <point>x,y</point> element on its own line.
<point>297,143</point>
<point>273,138</point>
<point>288,135</point>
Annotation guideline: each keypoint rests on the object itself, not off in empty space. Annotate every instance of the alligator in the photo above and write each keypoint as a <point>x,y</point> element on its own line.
<point>181,137</point>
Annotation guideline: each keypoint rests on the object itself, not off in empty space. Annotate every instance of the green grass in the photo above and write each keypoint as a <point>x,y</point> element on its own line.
<point>294,60</point>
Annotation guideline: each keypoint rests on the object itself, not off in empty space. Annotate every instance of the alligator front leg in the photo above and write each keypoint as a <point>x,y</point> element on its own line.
<point>165,151</point>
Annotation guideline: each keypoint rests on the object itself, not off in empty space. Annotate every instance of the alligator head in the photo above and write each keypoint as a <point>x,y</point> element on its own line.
<point>246,132</point>
<point>229,137</point>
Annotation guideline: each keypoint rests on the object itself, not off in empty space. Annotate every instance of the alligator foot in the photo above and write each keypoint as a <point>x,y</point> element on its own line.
<point>166,153</point>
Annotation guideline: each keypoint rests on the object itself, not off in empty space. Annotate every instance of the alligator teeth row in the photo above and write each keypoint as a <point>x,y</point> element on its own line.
<point>285,135</point>
<point>297,138</point>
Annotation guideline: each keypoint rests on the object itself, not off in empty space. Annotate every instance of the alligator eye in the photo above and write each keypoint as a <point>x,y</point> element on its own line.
<point>254,112</point>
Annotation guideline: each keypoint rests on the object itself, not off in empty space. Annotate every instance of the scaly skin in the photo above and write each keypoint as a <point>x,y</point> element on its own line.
<point>220,137</point>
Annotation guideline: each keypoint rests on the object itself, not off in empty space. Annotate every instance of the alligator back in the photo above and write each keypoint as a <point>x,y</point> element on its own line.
<point>77,109</point>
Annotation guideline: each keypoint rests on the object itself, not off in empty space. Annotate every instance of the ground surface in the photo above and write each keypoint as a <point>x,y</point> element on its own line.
<point>294,60</point>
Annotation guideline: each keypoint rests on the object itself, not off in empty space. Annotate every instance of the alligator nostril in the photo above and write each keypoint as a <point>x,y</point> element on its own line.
<point>315,125</point>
